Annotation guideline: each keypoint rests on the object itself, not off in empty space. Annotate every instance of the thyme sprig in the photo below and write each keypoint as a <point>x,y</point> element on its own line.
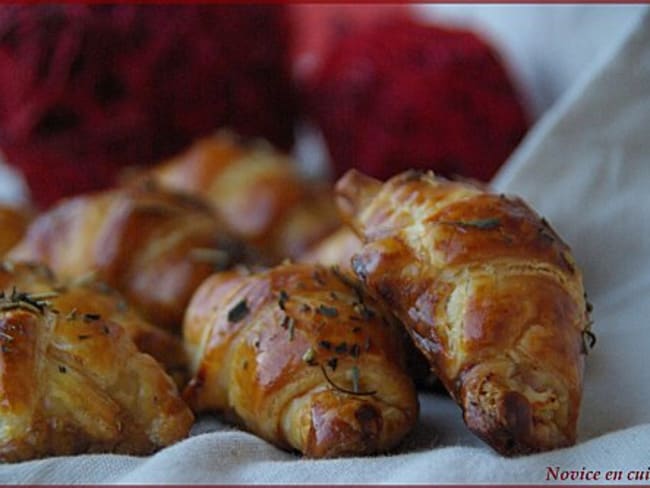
<point>333,363</point>
<point>238,312</point>
<point>327,311</point>
<point>309,356</point>
<point>72,314</point>
<point>283,299</point>
<point>482,224</point>
<point>289,323</point>
<point>588,339</point>
<point>33,302</point>
<point>6,337</point>
<point>355,383</point>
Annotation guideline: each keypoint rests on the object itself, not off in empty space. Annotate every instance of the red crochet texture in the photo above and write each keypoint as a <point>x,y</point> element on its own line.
<point>405,95</point>
<point>87,89</point>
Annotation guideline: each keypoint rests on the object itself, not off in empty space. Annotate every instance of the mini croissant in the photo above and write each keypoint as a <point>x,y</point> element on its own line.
<point>149,244</point>
<point>302,359</point>
<point>257,191</point>
<point>488,292</point>
<point>72,383</point>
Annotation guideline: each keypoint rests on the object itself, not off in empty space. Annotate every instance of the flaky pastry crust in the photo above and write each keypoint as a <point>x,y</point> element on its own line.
<point>489,293</point>
<point>154,246</point>
<point>301,358</point>
<point>72,383</point>
<point>87,296</point>
<point>257,191</point>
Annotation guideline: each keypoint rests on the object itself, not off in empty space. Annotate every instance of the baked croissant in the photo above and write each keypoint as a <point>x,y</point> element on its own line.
<point>149,244</point>
<point>87,296</point>
<point>13,222</point>
<point>489,293</point>
<point>300,358</point>
<point>72,383</point>
<point>258,193</point>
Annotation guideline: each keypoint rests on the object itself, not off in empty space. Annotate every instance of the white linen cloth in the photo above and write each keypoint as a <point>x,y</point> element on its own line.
<point>545,47</point>
<point>586,168</point>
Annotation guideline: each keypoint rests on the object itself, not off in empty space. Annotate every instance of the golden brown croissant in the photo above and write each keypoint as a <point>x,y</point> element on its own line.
<point>301,359</point>
<point>89,296</point>
<point>147,243</point>
<point>490,294</point>
<point>13,222</point>
<point>72,383</point>
<point>258,193</point>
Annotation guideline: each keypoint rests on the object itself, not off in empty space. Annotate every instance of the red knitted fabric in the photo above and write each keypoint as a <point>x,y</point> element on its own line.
<point>405,95</point>
<point>87,89</point>
<point>316,26</point>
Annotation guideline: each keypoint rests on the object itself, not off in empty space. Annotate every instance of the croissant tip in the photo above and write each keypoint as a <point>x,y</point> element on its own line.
<point>509,428</point>
<point>353,192</point>
<point>335,434</point>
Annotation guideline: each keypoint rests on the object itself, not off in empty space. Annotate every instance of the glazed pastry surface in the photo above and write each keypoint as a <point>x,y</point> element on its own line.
<point>154,246</point>
<point>86,296</point>
<point>258,193</point>
<point>73,383</point>
<point>301,358</point>
<point>488,292</point>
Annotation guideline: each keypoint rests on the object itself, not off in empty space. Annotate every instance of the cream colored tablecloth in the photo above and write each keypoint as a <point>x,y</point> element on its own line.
<point>586,167</point>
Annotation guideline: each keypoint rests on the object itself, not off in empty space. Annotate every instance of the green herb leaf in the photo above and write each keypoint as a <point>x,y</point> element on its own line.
<point>291,326</point>
<point>483,224</point>
<point>328,311</point>
<point>318,278</point>
<point>309,356</point>
<point>238,312</point>
<point>289,323</point>
<point>354,371</point>
<point>355,391</point>
<point>333,363</point>
<point>588,341</point>
<point>284,298</point>
<point>342,348</point>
